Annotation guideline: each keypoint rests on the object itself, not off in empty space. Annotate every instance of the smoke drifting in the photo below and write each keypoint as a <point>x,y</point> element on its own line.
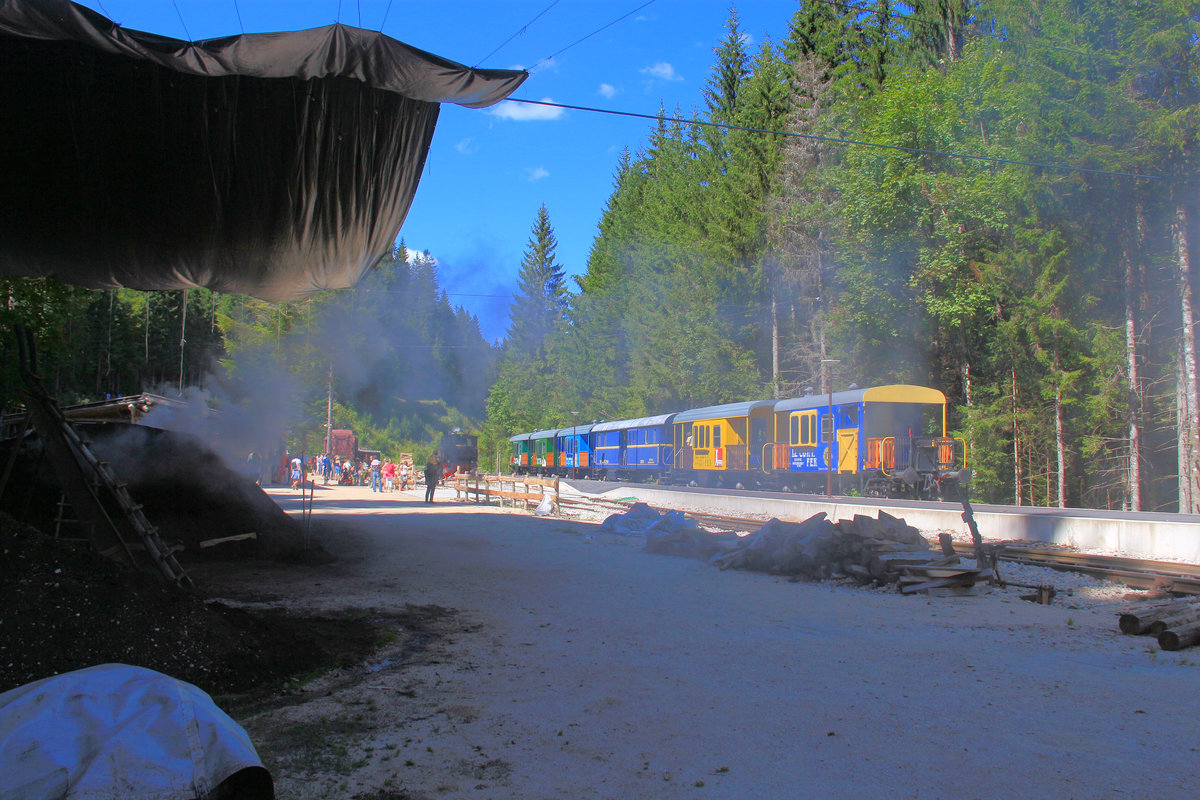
<point>399,353</point>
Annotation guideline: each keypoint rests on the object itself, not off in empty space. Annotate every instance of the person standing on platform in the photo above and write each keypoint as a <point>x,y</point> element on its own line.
<point>433,471</point>
<point>375,469</point>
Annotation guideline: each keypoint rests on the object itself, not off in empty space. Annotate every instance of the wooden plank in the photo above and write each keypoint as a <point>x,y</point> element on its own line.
<point>941,572</point>
<point>939,583</point>
<point>241,537</point>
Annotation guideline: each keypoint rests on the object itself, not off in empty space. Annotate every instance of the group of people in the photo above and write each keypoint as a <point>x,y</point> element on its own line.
<point>381,475</point>
<point>388,476</point>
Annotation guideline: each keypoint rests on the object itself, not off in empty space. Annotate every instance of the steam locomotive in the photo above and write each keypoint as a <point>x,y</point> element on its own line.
<point>460,451</point>
<point>884,441</point>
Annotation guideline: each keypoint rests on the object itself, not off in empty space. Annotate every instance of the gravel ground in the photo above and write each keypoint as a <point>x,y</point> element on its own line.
<point>559,661</point>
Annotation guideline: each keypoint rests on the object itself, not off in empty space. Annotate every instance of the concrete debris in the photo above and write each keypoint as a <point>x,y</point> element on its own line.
<point>869,550</point>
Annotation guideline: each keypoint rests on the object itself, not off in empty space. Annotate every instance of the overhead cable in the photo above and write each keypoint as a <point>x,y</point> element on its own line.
<point>186,32</point>
<point>552,56</point>
<point>520,31</point>
<point>838,140</point>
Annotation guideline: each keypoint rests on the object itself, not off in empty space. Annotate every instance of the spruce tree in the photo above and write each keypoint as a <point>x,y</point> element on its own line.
<point>538,309</point>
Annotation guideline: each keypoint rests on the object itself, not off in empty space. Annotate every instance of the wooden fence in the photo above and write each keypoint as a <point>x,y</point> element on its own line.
<point>523,489</point>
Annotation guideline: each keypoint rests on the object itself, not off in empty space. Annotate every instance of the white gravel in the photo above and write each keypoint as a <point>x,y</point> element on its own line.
<point>575,665</point>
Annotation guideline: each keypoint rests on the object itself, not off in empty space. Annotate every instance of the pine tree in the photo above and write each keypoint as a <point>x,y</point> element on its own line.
<point>538,309</point>
<point>721,90</point>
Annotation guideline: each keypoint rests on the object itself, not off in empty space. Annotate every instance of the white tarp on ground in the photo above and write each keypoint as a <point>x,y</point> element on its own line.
<point>642,519</point>
<point>116,731</point>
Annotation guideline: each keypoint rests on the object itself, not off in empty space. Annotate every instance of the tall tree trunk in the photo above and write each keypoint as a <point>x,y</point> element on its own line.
<point>775,380</point>
<point>1189,430</point>
<point>953,40</point>
<point>1060,438</point>
<point>1016,441</point>
<point>1133,471</point>
<point>966,380</point>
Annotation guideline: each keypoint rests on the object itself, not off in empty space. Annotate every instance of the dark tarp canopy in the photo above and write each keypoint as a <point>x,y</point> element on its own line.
<point>275,164</point>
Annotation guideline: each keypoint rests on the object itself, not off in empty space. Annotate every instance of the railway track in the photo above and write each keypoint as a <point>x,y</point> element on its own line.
<point>1168,576</point>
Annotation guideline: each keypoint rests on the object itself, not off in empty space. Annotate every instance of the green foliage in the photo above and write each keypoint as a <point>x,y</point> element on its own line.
<point>537,309</point>
<point>92,343</point>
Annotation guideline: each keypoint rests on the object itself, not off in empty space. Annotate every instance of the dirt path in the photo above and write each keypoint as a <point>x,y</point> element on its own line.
<point>545,659</point>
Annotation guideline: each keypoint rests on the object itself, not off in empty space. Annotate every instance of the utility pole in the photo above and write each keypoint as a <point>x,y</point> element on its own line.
<point>329,414</point>
<point>182,340</point>
<point>828,363</point>
<point>575,442</point>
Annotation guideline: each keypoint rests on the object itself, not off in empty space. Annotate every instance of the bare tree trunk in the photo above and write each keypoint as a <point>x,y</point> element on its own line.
<point>1189,431</point>
<point>1060,444</point>
<point>966,379</point>
<point>1133,472</point>
<point>775,380</point>
<point>1016,442</point>
<point>953,43</point>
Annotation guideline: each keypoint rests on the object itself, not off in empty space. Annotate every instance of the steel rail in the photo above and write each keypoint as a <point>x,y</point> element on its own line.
<point>1136,573</point>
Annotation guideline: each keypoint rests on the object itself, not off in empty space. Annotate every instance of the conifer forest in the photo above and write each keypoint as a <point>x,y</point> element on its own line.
<point>995,198</point>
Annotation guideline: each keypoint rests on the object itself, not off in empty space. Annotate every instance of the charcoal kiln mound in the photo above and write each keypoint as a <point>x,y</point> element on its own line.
<point>63,606</point>
<point>194,496</point>
<point>184,487</point>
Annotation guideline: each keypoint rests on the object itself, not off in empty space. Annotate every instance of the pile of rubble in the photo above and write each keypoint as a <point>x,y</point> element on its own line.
<point>879,550</point>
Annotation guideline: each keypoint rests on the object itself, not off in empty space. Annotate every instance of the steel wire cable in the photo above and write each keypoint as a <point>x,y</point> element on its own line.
<point>519,31</point>
<point>186,32</point>
<point>552,56</point>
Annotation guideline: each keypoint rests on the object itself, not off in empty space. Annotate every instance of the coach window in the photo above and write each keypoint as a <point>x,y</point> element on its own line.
<point>716,436</point>
<point>808,429</point>
<point>794,430</point>
<point>827,427</point>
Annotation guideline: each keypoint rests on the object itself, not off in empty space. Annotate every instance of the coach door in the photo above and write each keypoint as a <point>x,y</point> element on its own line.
<point>847,439</point>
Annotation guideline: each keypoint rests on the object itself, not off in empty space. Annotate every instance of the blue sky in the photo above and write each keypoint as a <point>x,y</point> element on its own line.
<point>489,170</point>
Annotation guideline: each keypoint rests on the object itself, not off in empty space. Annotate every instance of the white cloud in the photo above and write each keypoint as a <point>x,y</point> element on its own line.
<point>537,173</point>
<point>663,71</point>
<point>608,90</point>
<point>467,147</point>
<point>526,112</point>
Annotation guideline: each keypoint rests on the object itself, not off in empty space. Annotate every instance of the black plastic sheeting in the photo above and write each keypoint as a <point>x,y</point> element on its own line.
<point>275,165</point>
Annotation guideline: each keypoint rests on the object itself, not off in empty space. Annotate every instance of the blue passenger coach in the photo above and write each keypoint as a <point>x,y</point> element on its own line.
<point>634,447</point>
<point>574,448</point>
<point>890,440</point>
